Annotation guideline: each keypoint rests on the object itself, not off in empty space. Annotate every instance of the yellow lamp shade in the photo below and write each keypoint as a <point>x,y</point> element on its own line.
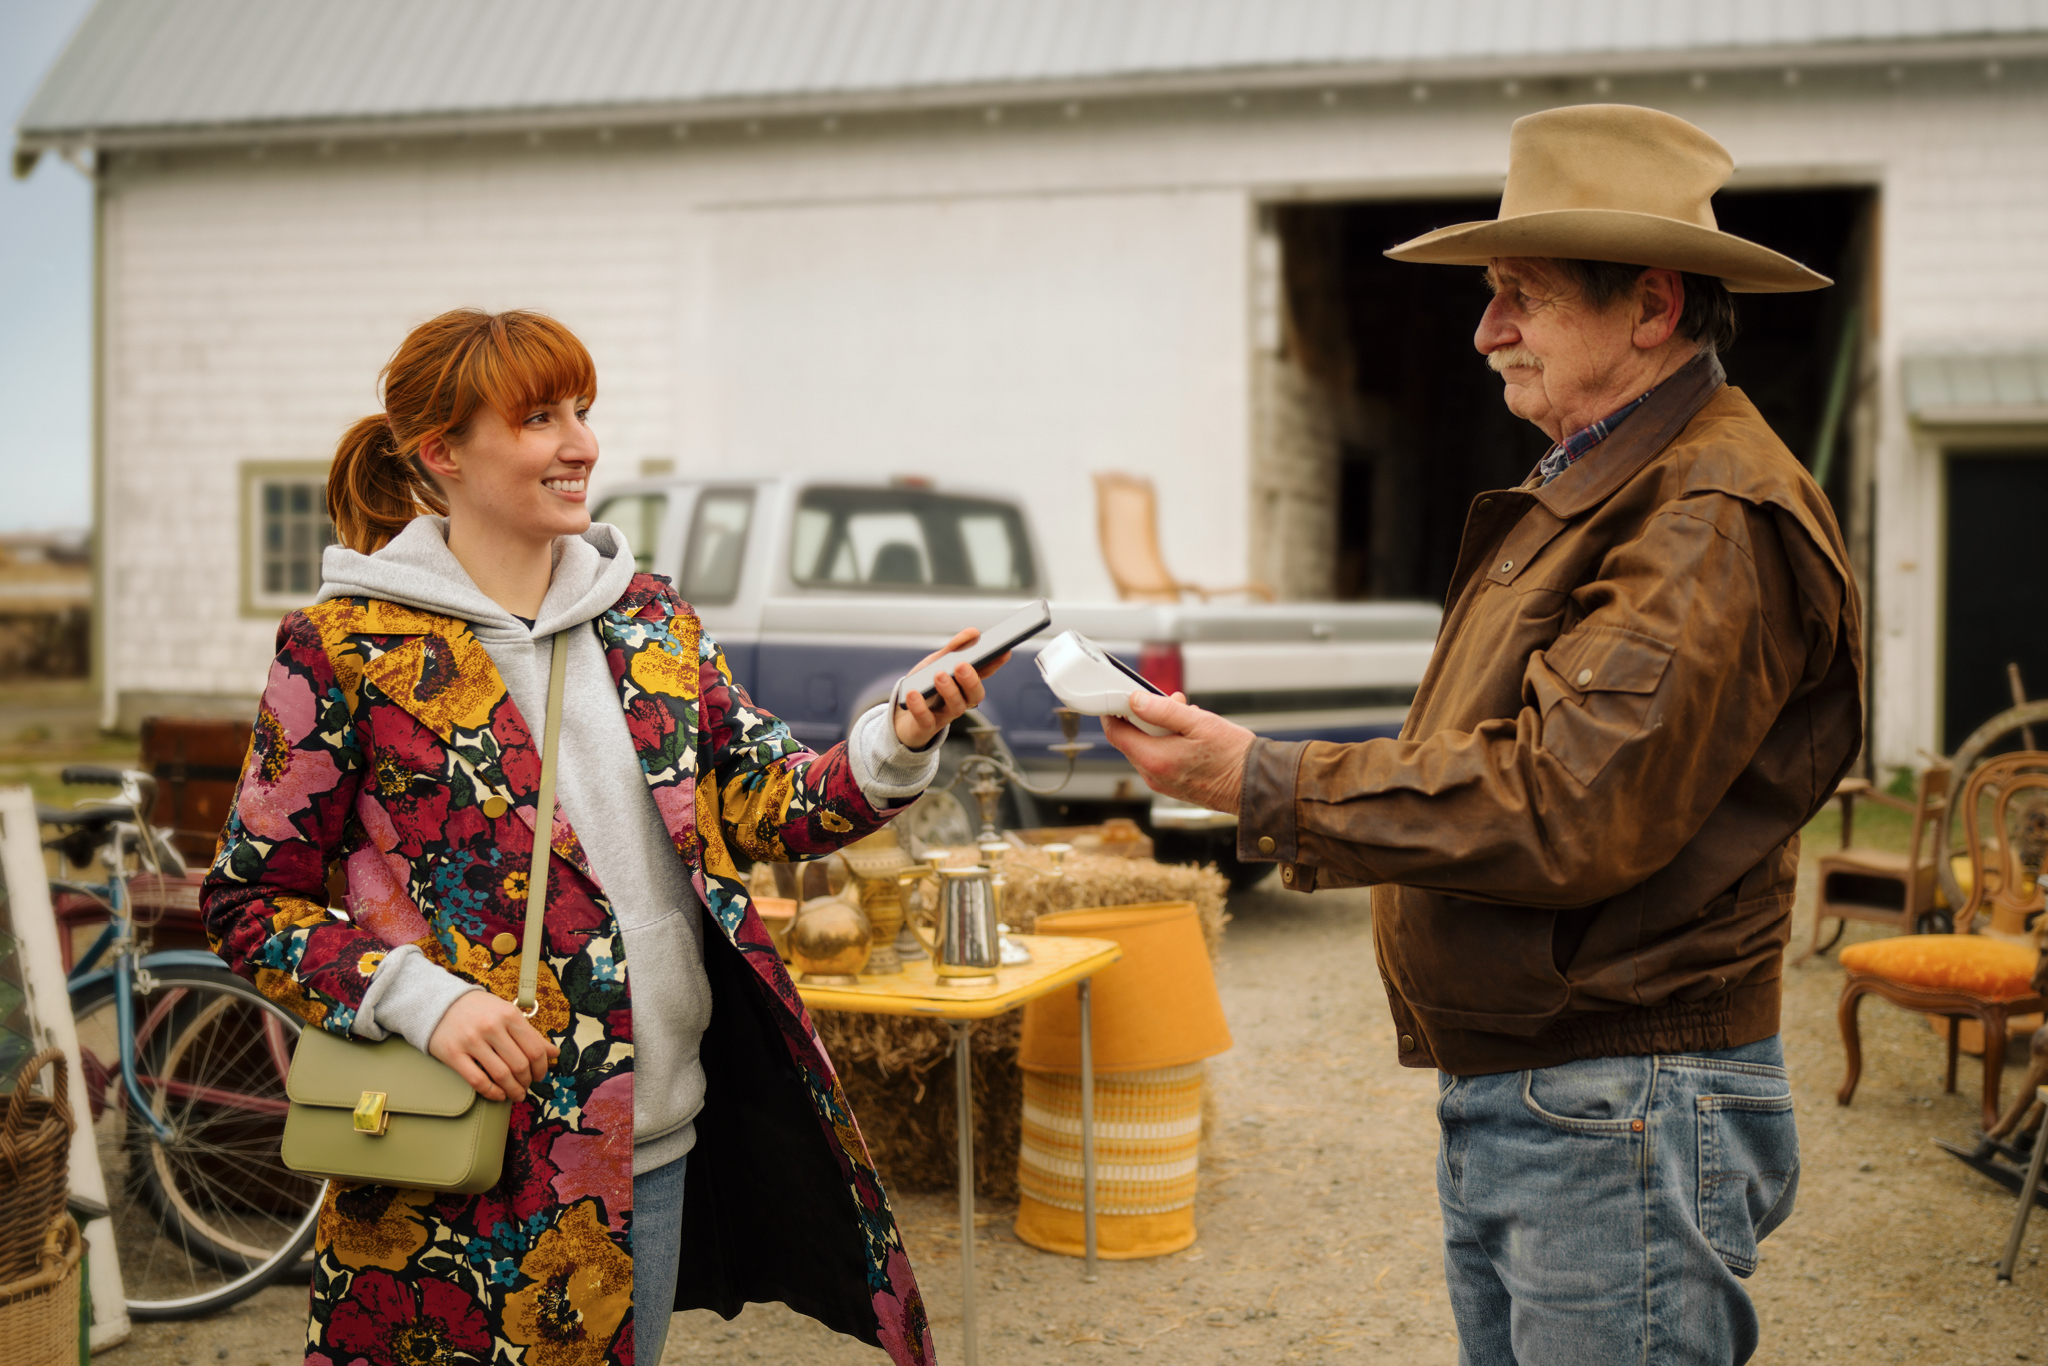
<point>1157,1007</point>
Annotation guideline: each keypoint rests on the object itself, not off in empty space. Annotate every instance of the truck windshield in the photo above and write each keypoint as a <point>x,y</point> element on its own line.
<point>897,538</point>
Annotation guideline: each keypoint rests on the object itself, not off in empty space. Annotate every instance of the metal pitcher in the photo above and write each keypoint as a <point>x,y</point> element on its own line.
<point>966,941</point>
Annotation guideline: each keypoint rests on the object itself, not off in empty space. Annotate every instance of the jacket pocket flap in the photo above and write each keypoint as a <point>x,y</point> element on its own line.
<point>1606,660</point>
<point>329,1071</point>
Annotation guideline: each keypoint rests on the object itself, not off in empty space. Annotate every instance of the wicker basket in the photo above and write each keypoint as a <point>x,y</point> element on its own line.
<point>39,1313</point>
<point>35,1151</point>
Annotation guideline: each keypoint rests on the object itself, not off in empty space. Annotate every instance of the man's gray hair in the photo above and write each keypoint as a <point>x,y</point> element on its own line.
<point>1708,315</point>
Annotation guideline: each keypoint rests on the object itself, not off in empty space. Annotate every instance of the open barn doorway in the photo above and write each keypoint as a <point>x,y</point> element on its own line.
<point>1379,423</point>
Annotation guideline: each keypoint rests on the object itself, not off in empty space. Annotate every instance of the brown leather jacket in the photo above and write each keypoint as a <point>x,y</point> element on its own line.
<point>1649,677</point>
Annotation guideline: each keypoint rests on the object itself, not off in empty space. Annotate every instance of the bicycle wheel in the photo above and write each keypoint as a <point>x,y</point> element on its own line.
<point>212,1214</point>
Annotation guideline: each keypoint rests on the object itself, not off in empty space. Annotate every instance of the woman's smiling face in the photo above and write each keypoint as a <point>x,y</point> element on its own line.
<point>525,483</point>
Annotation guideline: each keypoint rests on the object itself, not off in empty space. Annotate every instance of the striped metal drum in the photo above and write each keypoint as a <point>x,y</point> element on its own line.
<point>1148,1131</point>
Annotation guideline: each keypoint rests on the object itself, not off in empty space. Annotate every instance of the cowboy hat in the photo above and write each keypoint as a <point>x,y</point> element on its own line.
<point>1613,182</point>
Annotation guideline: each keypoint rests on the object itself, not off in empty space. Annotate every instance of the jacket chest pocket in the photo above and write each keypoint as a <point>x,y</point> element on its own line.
<point>1595,689</point>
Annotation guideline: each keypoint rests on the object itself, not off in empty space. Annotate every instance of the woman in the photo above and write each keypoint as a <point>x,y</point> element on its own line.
<point>678,1137</point>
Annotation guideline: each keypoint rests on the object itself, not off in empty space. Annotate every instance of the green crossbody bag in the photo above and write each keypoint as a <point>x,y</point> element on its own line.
<point>386,1114</point>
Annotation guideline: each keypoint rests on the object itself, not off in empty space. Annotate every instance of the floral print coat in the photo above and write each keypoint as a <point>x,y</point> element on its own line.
<point>387,744</point>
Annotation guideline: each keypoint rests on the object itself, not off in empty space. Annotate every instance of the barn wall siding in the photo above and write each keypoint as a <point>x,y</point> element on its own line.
<point>992,303</point>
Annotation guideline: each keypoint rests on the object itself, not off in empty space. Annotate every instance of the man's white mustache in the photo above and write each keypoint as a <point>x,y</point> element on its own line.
<point>1509,356</point>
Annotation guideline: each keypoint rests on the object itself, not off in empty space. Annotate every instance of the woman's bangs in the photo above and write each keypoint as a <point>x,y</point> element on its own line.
<point>527,361</point>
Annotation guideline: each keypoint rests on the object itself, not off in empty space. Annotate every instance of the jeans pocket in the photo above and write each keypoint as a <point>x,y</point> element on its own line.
<point>1749,1170</point>
<point>1603,1096</point>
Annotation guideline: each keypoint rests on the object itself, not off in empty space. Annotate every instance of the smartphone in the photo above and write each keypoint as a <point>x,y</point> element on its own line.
<point>1005,635</point>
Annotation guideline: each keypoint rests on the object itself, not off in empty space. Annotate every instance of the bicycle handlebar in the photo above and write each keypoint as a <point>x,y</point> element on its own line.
<point>95,774</point>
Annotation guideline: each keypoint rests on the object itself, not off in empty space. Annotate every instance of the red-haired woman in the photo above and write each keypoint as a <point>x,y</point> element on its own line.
<point>679,1139</point>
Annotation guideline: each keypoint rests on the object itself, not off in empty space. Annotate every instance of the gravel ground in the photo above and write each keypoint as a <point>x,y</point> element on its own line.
<point>1319,1229</point>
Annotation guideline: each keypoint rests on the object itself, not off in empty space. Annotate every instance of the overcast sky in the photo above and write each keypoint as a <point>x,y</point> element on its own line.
<point>45,297</point>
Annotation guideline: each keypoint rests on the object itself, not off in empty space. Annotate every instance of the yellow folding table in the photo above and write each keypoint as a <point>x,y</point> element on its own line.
<point>1056,961</point>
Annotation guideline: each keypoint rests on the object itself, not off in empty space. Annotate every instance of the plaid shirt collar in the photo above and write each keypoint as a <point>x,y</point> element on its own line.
<point>1568,452</point>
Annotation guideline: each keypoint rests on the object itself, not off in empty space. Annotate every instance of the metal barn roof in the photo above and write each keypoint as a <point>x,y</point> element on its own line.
<point>161,66</point>
<point>1972,389</point>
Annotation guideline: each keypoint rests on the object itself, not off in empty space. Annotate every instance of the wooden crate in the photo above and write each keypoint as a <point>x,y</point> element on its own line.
<point>196,761</point>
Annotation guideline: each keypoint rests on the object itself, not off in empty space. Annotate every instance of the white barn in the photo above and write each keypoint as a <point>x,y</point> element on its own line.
<point>1012,242</point>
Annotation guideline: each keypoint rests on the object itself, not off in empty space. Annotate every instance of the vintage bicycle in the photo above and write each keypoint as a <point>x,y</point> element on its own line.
<point>185,1067</point>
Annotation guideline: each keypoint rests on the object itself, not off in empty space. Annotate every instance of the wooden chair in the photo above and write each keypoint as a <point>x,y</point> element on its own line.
<point>2005,851</point>
<point>1877,884</point>
<point>1127,525</point>
<point>1960,975</point>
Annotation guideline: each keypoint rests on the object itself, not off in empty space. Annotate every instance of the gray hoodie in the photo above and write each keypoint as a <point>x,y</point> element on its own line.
<point>603,794</point>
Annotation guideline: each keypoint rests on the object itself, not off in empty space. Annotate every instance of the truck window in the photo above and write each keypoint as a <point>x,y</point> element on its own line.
<point>639,516</point>
<point>897,538</point>
<point>718,541</point>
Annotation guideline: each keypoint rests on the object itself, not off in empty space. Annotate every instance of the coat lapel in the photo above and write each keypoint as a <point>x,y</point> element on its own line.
<point>438,672</point>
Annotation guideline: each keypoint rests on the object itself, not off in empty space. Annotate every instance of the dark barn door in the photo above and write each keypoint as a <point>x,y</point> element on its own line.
<point>1997,596</point>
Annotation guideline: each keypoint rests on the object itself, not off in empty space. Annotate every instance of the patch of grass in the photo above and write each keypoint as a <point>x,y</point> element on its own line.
<point>1877,825</point>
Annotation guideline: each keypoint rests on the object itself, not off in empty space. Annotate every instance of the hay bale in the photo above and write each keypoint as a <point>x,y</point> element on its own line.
<point>898,1070</point>
<point>1106,880</point>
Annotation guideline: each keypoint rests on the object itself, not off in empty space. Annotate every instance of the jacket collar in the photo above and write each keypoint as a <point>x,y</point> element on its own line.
<point>1632,445</point>
<point>437,670</point>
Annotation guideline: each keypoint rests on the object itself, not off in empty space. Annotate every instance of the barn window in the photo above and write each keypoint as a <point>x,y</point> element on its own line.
<point>286,529</point>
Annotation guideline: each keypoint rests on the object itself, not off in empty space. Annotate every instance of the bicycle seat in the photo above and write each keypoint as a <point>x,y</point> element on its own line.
<point>90,817</point>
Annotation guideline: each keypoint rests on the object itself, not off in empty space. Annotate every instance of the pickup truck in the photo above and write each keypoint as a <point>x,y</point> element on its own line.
<point>824,592</point>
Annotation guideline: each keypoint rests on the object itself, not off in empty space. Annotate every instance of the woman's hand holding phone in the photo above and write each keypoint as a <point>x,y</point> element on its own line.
<point>959,692</point>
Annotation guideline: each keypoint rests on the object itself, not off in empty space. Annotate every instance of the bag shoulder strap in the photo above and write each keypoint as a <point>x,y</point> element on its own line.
<point>543,830</point>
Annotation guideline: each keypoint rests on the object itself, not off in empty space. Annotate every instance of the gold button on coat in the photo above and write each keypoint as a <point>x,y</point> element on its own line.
<point>495,807</point>
<point>504,944</point>
<point>1407,1043</point>
<point>1265,844</point>
<point>1585,677</point>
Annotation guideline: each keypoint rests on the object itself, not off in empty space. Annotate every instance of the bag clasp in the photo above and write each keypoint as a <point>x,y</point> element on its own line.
<point>371,1116</point>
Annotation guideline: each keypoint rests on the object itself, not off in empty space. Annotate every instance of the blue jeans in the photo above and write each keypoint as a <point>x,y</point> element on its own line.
<point>1605,1210</point>
<point>657,1249</point>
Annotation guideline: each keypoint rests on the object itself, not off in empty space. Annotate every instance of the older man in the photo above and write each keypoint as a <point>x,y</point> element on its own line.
<point>1585,843</point>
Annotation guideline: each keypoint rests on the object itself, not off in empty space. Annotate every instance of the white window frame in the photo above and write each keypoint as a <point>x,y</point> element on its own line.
<point>257,601</point>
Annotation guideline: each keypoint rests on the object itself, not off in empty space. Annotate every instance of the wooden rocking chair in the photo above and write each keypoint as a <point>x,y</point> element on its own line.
<point>1127,524</point>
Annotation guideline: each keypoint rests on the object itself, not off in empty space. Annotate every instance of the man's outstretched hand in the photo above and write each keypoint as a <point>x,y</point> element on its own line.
<point>1201,762</point>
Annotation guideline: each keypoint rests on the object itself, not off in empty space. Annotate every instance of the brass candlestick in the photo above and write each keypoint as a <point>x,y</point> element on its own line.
<point>874,862</point>
<point>987,772</point>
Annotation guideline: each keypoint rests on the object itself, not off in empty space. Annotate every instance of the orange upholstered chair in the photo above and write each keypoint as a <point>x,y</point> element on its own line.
<point>1959,976</point>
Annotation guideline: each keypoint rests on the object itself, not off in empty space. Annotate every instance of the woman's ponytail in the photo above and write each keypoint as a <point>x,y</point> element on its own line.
<point>372,490</point>
<point>444,370</point>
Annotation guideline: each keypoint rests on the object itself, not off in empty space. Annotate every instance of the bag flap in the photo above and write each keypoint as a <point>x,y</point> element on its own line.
<point>328,1070</point>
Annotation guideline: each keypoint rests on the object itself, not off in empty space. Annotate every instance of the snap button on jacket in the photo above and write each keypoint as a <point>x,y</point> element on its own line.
<point>1649,677</point>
